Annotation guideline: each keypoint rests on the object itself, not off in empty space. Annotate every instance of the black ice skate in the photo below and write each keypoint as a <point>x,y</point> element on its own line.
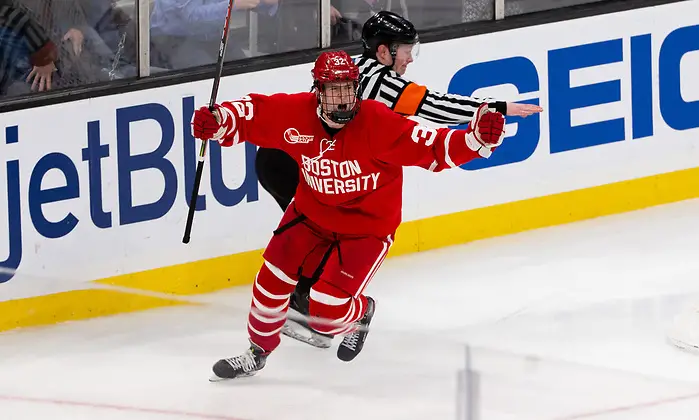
<point>247,364</point>
<point>353,343</point>
<point>298,329</point>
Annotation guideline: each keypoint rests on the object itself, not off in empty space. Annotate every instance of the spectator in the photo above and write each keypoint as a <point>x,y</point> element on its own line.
<point>79,62</point>
<point>112,35</point>
<point>295,26</point>
<point>344,29</point>
<point>186,33</point>
<point>26,52</point>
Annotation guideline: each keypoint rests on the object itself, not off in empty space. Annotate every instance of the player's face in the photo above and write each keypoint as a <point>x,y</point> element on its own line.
<point>338,96</point>
<point>405,54</point>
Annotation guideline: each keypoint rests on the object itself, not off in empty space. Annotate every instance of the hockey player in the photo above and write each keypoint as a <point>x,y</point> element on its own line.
<point>390,45</point>
<point>351,153</point>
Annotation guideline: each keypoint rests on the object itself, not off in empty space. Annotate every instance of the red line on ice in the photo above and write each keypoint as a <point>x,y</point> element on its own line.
<point>631,407</point>
<point>116,407</point>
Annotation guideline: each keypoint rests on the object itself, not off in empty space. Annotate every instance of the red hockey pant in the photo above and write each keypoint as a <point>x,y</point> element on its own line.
<point>350,262</point>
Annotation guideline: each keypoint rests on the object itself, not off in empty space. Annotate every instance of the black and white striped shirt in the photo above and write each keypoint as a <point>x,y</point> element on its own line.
<point>381,83</point>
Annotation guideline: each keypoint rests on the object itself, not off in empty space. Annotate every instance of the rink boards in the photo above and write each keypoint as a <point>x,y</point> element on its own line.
<point>94,191</point>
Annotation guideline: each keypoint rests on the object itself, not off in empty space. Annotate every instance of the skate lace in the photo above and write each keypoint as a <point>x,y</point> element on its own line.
<point>246,362</point>
<point>350,341</point>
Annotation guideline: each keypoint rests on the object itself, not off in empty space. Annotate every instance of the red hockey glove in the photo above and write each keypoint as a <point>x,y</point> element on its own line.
<point>488,127</point>
<point>216,125</point>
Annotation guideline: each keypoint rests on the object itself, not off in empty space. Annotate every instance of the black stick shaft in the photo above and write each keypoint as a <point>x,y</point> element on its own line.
<point>212,102</point>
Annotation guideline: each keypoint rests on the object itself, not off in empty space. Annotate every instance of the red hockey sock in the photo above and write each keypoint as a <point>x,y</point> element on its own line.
<point>270,302</point>
<point>332,303</point>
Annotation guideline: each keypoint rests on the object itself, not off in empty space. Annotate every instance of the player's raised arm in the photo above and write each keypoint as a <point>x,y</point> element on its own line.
<point>437,149</point>
<point>249,118</point>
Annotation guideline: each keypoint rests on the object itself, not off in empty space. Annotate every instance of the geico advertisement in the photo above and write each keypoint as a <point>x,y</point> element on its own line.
<point>621,100</point>
<point>97,188</point>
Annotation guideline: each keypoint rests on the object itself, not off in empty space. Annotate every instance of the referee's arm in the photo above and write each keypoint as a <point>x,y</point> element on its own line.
<point>409,98</point>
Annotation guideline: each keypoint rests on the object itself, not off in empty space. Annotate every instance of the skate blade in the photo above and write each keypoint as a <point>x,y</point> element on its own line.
<point>293,330</point>
<point>682,345</point>
<point>215,378</point>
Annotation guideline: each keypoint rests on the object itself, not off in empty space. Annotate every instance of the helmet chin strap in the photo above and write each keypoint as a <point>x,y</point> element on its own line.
<point>322,116</point>
<point>393,49</point>
<point>325,118</point>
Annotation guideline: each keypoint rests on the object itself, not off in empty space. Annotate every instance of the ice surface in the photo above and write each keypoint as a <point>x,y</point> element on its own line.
<point>561,323</point>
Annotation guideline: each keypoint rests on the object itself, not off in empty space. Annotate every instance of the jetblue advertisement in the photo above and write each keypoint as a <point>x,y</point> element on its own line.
<point>98,188</point>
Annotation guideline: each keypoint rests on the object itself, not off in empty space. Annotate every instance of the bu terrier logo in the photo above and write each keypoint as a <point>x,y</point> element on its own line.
<point>326,146</point>
<point>292,136</point>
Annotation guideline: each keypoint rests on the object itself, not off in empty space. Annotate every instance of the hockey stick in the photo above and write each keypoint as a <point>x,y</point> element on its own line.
<point>212,102</point>
<point>214,302</point>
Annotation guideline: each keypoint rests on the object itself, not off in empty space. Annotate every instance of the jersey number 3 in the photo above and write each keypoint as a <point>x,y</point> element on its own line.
<point>423,134</point>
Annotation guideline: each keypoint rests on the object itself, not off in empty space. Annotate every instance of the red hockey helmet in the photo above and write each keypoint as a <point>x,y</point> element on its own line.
<point>336,80</point>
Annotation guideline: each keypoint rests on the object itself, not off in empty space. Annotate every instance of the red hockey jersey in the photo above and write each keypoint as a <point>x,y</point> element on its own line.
<point>351,183</point>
